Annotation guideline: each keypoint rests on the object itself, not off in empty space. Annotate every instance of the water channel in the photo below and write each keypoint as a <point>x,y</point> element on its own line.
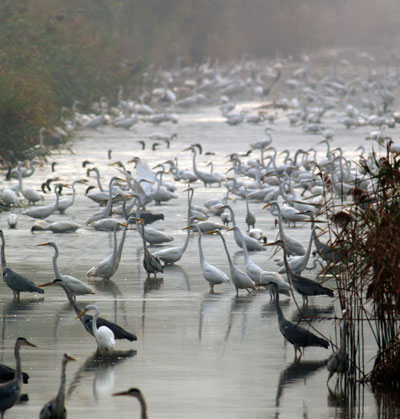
<point>197,355</point>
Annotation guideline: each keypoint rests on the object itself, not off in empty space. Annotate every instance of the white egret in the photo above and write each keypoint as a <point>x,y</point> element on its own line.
<point>76,286</point>
<point>211,274</point>
<point>239,278</point>
<point>104,336</point>
<point>109,265</point>
<point>292,245</point>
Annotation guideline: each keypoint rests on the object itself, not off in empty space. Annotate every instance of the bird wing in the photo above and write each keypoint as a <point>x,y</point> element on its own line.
<point>19,283</point>
<point>118,331</point>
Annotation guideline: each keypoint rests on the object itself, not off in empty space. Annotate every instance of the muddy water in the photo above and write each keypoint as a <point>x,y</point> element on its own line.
<point>197,355</point>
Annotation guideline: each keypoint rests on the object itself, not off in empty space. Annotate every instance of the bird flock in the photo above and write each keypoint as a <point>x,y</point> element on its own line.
<point>256,186</point>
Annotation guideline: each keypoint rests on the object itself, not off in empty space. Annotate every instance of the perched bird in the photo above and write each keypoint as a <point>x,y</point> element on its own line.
<point>104,336</point>
<point>295,334</point>
<point>55,408</point>
<point>10,391</point>
<point>135,392</point>
<point>16,282</point>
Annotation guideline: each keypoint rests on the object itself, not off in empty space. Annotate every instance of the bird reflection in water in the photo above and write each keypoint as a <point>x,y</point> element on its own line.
<point>308,313</point>
<point>15,310</point>
<point>110,287</point>
<point>102,367</point>
<point>239,305</point>
<point>296,371</point>
<point>178,273</point>
<point>210,304</point>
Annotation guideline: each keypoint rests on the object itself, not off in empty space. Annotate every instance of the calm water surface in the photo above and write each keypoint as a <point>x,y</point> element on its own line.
<point>197,355</point>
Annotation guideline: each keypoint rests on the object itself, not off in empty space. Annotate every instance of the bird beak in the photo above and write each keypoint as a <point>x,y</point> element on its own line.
<point>31,344</point>
<point>81,314</point>
<point>212,232</point>
<point>187,149</point>
<point>187,227</point>
<point>270,244</point>
<point>71,358</point>
<point>266,206</point>
<point>123,393</point>
<point>139,220</point>
<point>123,224</point>
<point>42,244</point>
<point>47,284</point>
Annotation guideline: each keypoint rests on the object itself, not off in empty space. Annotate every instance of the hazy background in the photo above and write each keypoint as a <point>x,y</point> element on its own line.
<point>53,52</point>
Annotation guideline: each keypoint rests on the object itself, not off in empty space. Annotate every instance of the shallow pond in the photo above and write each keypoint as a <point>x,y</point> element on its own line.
<point>197,355</point>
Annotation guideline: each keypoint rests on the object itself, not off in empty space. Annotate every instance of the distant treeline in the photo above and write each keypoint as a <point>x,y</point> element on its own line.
<point>53,52</point>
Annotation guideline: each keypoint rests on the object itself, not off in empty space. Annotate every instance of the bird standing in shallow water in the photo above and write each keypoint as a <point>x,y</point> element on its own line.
<point>304,286</point>
<point>295,334</point>
<point>55,408</point>
<point>10,392</point>
<point>13,280</point>
<point>104,336</point>
<point>87,319</point>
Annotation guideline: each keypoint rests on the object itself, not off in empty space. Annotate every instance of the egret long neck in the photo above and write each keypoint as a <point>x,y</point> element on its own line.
<point>94,323</point>
<point>227,254</point>
<point>121,245</point>
<point>55,264</point>
<point>243,241</point>
<point>185,244</point>
<point>115,249</point>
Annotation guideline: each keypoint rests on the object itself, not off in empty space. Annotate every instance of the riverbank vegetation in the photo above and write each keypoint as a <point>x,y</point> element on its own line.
<point>54,52</point>
<point>367,275</point>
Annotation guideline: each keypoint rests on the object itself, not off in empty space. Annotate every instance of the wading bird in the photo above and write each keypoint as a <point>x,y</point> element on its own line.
<point>109,265</point>
<point>295,334</point>
<point>10,392</point>
<point>87,319</point>
<point>16,282</point>
<point>304,286</point>
<point>55,408</point>
<point>76,286</point>
<point>104,336</point>
<point>151,263</point>
<point>239,278</point>
<point>212,275</point>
